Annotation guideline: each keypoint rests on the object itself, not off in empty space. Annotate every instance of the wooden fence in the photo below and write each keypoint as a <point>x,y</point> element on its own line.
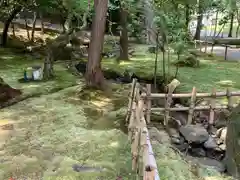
<point>139,113</point>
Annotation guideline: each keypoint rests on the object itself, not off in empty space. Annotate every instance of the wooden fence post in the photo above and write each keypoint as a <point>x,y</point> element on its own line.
<point>230,100</point>
<point>212,109</point>
<point>168,100</point>
<point>192,105</point>
<point>131,99</point>
<point>149,103</point>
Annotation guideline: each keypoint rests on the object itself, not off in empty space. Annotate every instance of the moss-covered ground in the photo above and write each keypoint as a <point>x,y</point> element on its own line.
<point>66,125</point>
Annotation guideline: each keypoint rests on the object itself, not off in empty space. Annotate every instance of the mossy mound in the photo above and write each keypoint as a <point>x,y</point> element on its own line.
<point>7,92</point>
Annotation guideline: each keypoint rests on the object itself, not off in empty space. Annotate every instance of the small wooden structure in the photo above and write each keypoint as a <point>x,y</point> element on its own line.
<point>139,113</point>
<point>223,42</point>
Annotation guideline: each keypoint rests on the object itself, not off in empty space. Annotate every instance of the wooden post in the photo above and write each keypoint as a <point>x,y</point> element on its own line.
<point>212,108</point>
<point>149,103</point>
<point>226,50</point>
<point>168,100</point>
<point>230,100</point>
<point>131,98</point>
<point>192,105</point>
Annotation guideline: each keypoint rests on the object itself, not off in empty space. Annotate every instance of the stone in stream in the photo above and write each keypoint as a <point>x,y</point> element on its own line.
<point>175,136</point>
<point>223,134</point>
<point>210,143</point>
<point>83,168</point>
<point>207,162</point>
<point>197,152</point>
<point>194,133</point>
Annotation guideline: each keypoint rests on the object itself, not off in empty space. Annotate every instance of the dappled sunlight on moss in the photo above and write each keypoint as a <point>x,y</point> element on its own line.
<point>53,134</point>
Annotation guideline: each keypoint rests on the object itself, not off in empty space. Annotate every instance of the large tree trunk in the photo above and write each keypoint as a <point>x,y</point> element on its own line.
<point>26,26</point>
<point>124,36</point>
<point>94,75</point>
<point>48,72</point>
<point>7,24</point>
<point>199,22</point>
<point>42,23</point>
<point>233,143</point>
<point>187,16</point>
<point>231,24</point>
<point>149,18</point>
<point>34,25</point>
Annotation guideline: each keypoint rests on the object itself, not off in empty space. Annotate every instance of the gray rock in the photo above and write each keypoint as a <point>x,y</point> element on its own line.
<point>173,133</point>
<point>218,133</point>
<point>194,133</point>
<point>82,168</point>
<point>199,152</point>
<point>181,147</point>
<point>223,135</point>
<point>207,162</point>
<point>222,147</point>
<point>210,143</point>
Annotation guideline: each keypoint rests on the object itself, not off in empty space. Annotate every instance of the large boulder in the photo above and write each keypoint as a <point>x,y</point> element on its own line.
<point>194,133</point>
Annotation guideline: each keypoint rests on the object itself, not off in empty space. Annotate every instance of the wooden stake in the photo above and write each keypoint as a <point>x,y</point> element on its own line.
<point>212,107</point>
<point>192,105</point>
<point>149,103</point>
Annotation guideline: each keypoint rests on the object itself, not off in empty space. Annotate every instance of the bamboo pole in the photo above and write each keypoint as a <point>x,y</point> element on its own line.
<point>230,99</point>
<point>132,122</point>
<point>188,95</point>
<point>192,105</point>
<point>135,150</point>
<point>137,89</point>
<point>131,98</point>
<point>144,147</point>
<point>149,103</point>
<point>151,171</point>
<point>187,108</point>
<point>212,108</point>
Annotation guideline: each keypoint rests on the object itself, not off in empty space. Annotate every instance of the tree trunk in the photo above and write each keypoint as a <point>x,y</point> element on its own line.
<point>34,25</point>
<point>7,24</point>
<point>233,143</point>
<point>187,16</point>
<point>48,71</point>
<point>231,24</point>
<point>94,75</point>
<point>199,22</point>
<point>149,18</point>
<point>26,26</point>
<point>42,24</point>
<point>68,22</point>
<point>13,29</point>
<point>123,36</point>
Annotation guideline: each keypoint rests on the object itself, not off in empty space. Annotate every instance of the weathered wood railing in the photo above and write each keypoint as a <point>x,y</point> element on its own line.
<point>139,113</point>
<point>143,160</point>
